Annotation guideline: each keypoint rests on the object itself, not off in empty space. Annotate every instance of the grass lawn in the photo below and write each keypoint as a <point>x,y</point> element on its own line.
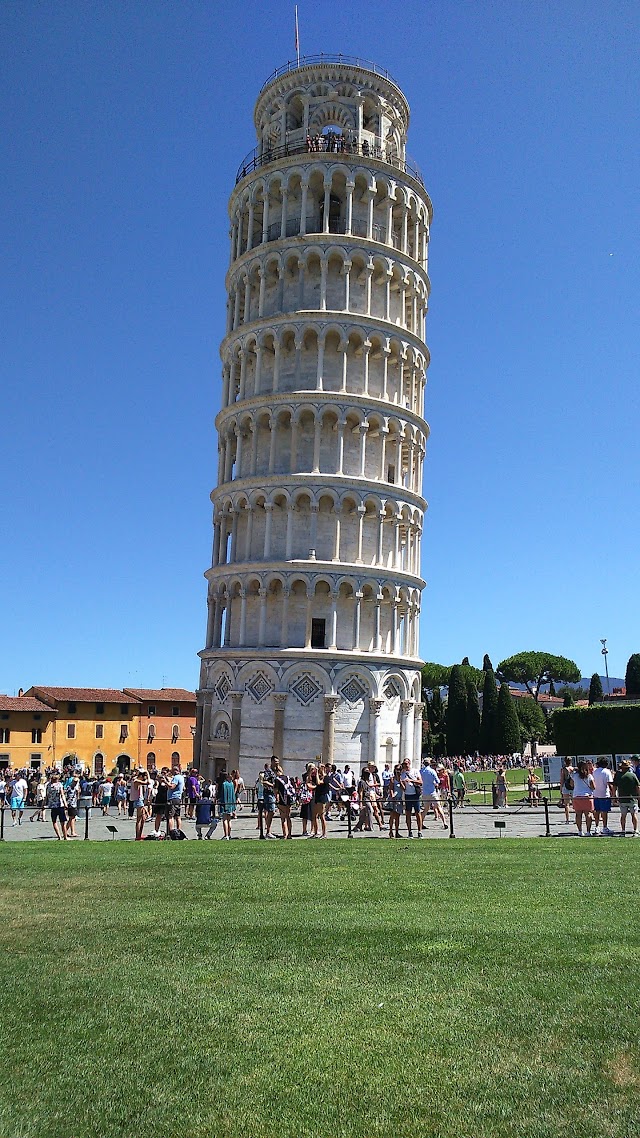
<point>245,990</point>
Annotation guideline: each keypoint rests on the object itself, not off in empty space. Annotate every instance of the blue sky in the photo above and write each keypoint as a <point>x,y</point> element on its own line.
<point>123,128</point>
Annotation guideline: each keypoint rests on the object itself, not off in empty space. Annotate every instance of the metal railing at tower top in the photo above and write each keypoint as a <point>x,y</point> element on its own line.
<point>345,60</point>
<point>339,146</point>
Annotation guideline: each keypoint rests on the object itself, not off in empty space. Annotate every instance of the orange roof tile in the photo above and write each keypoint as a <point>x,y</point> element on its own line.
<point>83,695</point>
<point>23,703</point>
<point>171,695</point>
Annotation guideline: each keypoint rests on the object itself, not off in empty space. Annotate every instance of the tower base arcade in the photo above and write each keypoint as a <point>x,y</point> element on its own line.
<point>341,710</point>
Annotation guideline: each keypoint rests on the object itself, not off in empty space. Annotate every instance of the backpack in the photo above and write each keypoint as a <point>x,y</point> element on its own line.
<point>177,835</point>
<point>568,781</point>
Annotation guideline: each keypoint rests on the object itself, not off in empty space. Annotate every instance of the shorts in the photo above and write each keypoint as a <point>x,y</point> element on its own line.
<point>269,803</point>
<point>628,808</point>
<point>105,801</point>
<point>430,798</point>
<point>58,814</point>
<point>602,805</point>
<point>174,809</point>
<point>412,802</point>
<point>322,799</point>
<point>17,803</point>
<point>72,811</point>
<point>138,804</point>
<point>583,803</point>
<point>395,805</point>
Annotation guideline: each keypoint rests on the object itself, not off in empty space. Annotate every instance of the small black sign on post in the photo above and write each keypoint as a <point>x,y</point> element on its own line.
<point>113,830</point>
<point>500,825</point>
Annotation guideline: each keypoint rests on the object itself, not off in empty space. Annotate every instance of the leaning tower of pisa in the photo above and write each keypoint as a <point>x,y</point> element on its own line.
<point>315,584</point>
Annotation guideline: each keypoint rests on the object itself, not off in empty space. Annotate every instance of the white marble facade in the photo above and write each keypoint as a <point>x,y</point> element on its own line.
<point>315,584</point>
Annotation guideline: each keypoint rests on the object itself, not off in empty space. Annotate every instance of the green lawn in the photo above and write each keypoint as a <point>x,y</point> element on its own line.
<point>243,990</point>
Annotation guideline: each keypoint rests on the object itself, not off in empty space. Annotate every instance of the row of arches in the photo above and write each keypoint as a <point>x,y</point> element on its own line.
<point>321,196</point>
<point>334,279</point>
<point>313,613</point>
<point>347,442</point>
<point>343,359</point>
<point>347,528</point>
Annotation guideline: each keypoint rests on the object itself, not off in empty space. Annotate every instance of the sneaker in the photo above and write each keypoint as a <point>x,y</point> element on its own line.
<point>607,832</point>
<point>419,834</point>
<point>635,834</point>
<point>409,835</point>
<point>579,834</point>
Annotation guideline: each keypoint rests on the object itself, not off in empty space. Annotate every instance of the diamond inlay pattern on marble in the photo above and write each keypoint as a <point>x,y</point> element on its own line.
<point>259,687</point>
<point>353,690</point>
<point>222,688</point>
<point>391,690</point>
<point>305,689</point>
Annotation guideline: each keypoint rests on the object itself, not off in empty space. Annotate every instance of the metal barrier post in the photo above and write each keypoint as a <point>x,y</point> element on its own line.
<point>253,799</point>
<point>451,833</point>
<point>494,796</point>
<point>166,818</point>
<point>260,823</point>
<point>86,823</point>
<point>546,818</point>
<point>349,834</point>
<point>2,823</point>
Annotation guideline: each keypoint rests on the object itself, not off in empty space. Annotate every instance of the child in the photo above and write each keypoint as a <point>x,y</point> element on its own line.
<point>204,817</point>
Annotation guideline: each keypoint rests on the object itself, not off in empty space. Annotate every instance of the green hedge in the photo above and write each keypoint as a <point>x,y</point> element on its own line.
<point>598,729</point>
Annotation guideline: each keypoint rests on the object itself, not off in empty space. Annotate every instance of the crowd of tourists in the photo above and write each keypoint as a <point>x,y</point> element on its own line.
<point>368,800</point>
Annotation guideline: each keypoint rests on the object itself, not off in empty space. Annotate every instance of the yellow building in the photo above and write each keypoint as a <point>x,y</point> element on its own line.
<point>27,731</point>
<point>109,729</point>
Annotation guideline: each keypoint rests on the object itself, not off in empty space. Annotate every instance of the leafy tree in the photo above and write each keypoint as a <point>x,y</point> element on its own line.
<point>435,710</point>
<point>572,694</point>
<point>474,674</point>
<point>595,690</point>
<point>472,718</point>
<point>507,738</point>
<point>487,666</point>
<point>489,706</point>
<point>632,675</point>
<point>536,668</point>
<point>532,720</point>
<point>457,711</point>
<point>434,676</point>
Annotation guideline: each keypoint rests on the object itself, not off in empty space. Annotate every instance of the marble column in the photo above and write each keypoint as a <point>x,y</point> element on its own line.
<point>236,722</point>
<point>279,700</point>
<point>331,702</point>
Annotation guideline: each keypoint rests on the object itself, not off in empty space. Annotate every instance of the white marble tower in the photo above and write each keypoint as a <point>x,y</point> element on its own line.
<point>315,584</point>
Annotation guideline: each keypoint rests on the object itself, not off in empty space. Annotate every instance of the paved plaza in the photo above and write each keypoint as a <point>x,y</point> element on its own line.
<point>519,821</point>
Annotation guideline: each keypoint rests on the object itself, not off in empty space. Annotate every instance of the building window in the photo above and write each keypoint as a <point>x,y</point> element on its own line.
<point>391,474</point>
<point>151,761</point>
<point>99,709</point>
<point>175,710</point>
<point>5,735</point>
<point>36,762</point>
<point>71,730</point>
<point>98,764</point>
<point>175,758</point>
<point>317,633</point>
<point>152,709</point>
<point>151,733</point>
<point>71,708</point>
<point>38,716</point>
<point>4,762</point>
<point>99,731</point>
<point>124,708</point>
<point>36,735</point>
<point>124,731</point>
<point>175,733</point>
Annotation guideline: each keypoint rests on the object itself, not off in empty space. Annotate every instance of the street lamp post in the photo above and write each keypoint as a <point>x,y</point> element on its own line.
<point>605,653</point>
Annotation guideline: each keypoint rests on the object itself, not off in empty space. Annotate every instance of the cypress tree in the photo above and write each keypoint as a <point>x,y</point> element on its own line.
<point>552,690</point>
<point>595,689</point>
<point>472,719</point>
<point>632,675</point>
<point>465,662</point>
<point>487,666</point>
<point>489,705</point>
<point>456,712</point>
<point>507,738</point>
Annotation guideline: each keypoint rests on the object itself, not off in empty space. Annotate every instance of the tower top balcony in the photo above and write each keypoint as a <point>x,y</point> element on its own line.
<point>330,102</point>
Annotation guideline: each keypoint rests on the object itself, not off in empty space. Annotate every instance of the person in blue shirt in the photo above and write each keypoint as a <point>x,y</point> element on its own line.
<point>204,815</point>
<point>174,798</point>
<point>431,793</point>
